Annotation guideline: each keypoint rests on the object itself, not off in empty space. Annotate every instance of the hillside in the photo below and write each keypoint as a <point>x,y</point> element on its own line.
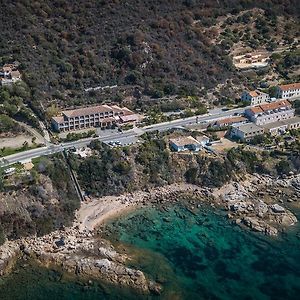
<point>151,47</point>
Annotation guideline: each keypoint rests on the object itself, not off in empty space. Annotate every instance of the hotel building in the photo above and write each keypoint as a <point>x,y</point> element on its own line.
<point>103,116</point>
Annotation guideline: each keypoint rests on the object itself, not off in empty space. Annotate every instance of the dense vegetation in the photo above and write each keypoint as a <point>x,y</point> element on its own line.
<point>42,201</point>
<point>8,125</point>
<point>155,47</point>
<point>15,101</point>
<point>118,170</point>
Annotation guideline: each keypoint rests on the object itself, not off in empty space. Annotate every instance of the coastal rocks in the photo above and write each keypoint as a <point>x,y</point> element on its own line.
<point>277,208</point>
<point>254,202</point>
<point>82,255</point>
<point>259,226</point>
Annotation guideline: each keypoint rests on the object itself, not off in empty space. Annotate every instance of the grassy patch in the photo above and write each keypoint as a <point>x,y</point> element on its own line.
<point>5,151</point>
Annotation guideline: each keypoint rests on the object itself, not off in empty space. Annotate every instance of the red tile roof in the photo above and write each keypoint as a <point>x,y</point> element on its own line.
<point>270,106</point>
<point>275,105</point>
<point>256,110</point>
<point>292,86</point>
<point>253,94</point>
<point>87,111</point>
<point>231,120</point>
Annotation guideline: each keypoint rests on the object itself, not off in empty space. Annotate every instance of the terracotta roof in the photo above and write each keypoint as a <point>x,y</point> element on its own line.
<point>116,108</point>
<point>292,86</point>
<point>231,120</point>
<point>270,106</point>
<point>87,111</point>
<point>111,119</point>
<point>275,105</point>
<point>183,141</point>
<point>59,119</point>
<point>128,118</point>
<point>253,94</point>
<point>7,68</point>
<point>127,111</point>
<point>256,109</point>
<point>15,74</point>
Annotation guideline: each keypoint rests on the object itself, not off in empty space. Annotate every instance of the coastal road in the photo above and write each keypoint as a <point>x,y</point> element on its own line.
<point>130,134</point>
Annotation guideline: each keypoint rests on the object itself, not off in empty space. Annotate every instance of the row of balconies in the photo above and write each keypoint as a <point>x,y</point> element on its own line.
<point>101,115</point>
<point>81,123</point>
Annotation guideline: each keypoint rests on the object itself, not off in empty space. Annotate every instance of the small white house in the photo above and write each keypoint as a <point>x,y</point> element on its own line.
<point>255,97</point>
<point>185,143</point>
<point>203,140</point>
<point>10,171</point>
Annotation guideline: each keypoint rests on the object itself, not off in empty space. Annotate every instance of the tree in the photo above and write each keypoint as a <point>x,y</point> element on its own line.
<point>272,91</point>
<point>283,167</point>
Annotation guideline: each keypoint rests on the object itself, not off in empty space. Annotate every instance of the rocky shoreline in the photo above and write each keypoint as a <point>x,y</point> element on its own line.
<point>257,202</point>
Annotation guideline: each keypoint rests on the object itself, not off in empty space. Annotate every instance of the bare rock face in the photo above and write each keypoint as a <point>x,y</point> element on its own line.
<point>254,203</point>
<point>260,226</point>
<point>9,253</point>
<point>277,208</point>
<point>80,254</point>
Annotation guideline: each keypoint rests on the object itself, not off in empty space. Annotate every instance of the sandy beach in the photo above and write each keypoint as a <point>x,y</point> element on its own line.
<point>98,210</point>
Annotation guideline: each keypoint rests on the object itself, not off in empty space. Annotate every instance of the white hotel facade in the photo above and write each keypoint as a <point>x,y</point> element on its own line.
<point>102,116</point>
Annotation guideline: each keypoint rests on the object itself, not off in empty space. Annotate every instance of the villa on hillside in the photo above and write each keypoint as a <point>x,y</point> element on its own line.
<point>251,61</point>
<point>103,116</point>
<point>9,74</point>
<point>288,91</point>
<point>185,143</point>
<point>255,97</point>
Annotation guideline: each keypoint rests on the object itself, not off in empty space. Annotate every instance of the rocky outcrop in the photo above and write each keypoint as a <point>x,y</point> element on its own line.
<point>254,203</point>
<point>9,253</point>
<point>81,254</point>
<point>259,225</point>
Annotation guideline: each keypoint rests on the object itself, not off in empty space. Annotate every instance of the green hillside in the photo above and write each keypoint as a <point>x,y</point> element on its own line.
<point>151,47</point>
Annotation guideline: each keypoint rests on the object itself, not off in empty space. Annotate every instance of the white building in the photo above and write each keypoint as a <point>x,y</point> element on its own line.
<point>270,112</point>
<point>281,127</point>
<point>288,91</point>
<point>9,75</point>
<point>185,143</point>
<point>255,97</point>
<point>94,116</point>
<point>246,132</point>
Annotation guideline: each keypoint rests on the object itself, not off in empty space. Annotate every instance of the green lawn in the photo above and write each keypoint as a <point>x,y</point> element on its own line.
<point>5,151</point>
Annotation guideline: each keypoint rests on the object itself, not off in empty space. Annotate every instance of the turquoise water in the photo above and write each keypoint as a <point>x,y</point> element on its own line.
<point>193,256</point>
<point>203,256</point>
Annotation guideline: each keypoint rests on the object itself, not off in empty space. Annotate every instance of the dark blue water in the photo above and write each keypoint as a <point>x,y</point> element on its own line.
<point>194,256</point>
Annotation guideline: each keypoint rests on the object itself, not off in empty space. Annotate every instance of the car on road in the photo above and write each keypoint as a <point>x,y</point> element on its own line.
<point>72,149</point>
<point>118,143</point>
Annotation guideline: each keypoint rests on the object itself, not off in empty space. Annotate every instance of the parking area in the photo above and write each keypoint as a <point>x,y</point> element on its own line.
<point>125,141</point>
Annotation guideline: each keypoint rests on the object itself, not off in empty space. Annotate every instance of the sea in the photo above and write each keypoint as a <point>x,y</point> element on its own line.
<point>196,254</point>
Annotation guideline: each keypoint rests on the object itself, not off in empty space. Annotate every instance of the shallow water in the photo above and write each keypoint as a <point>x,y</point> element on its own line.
<point>194,256</point>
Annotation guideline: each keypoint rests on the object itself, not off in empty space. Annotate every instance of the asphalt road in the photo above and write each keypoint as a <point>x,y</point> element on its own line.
<point>130,135</point>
